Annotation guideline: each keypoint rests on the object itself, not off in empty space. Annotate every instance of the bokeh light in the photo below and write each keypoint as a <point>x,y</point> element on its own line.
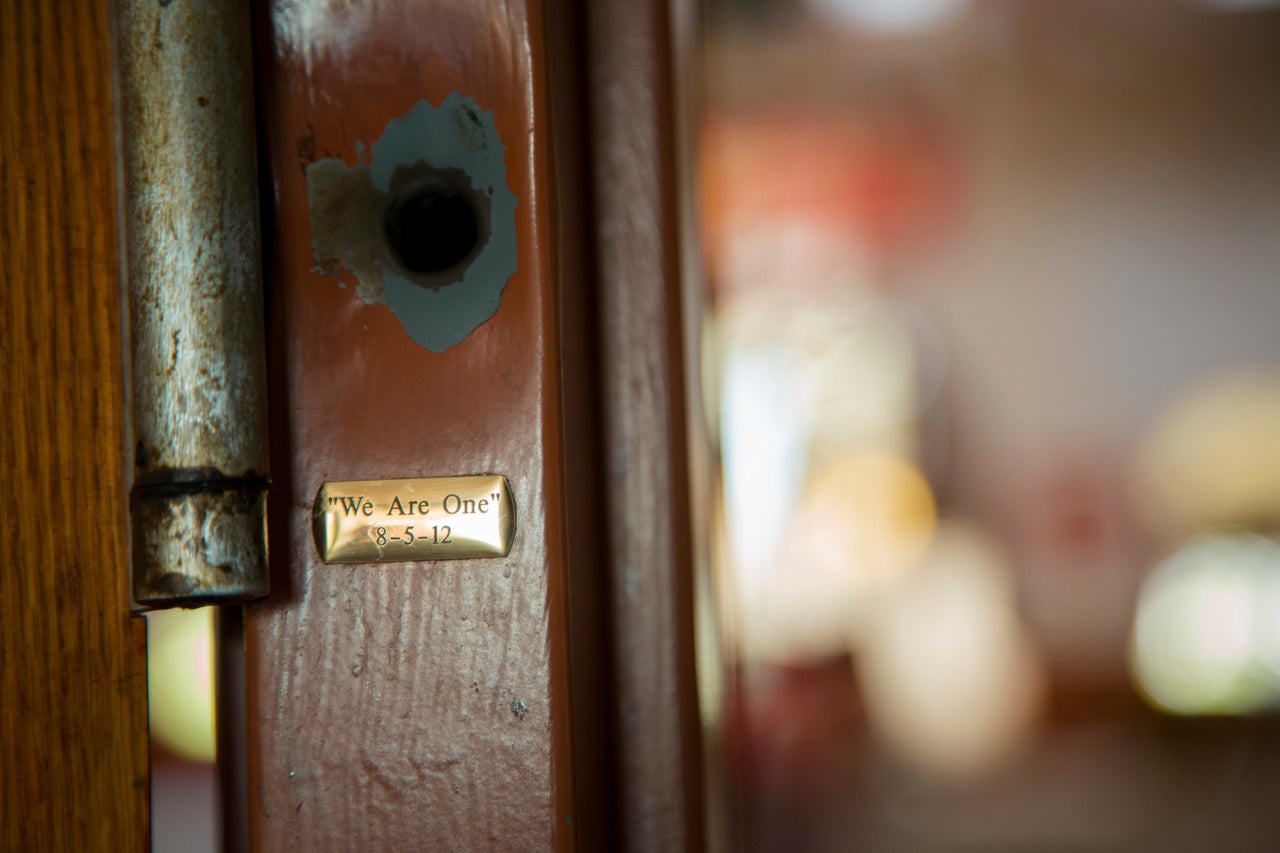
<point>180,682</point>
<point>824,500</point>
<point>861,523</point>
<point>1213,458</point>
<point>1206,638</point>
<point>890,17</point>
<point>952,682</point>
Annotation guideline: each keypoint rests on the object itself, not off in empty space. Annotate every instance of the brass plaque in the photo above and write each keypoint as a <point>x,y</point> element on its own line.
<point>435,518</point>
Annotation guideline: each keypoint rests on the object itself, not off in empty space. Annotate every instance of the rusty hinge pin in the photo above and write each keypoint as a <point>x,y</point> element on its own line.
<point>191,256</point>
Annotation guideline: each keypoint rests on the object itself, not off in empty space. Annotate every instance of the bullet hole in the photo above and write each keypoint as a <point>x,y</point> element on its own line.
<point>433,229</point>
<point>424,219</point>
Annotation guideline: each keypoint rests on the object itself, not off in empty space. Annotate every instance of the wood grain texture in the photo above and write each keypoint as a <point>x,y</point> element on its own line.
<point>380,697</point>
<point>72,659</point>
<point>642,372</point>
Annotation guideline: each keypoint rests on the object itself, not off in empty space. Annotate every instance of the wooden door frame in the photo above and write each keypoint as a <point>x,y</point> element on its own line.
<point>74,657</point>
<point>648,390</point>
<point>626,737</point>
<point>73,680</point>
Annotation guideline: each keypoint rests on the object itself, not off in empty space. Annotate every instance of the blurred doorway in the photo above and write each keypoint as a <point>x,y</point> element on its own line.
<point>993,367</point>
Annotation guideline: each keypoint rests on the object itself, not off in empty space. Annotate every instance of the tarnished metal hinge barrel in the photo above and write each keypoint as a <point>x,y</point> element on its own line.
<point>193,284</point>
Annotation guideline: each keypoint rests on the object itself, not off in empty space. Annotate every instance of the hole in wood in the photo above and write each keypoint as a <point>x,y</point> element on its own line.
<point>434,229</point>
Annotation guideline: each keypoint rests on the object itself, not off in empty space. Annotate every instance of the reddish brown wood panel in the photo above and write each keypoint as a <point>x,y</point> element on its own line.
<point>421,705</point>
<point>591,694</point>
<point>642,373</point>
<point>73,730</point>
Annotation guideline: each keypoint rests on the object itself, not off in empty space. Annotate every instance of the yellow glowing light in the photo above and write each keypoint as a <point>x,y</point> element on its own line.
<point>180,681</point>
<point>1205,638</point>
<point>951,680</point>
<point>1214,458</point>
<point>861,522</point>
<point>881,503</point>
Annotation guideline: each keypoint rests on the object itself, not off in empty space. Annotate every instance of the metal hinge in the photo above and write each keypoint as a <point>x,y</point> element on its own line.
<point>192,272</point>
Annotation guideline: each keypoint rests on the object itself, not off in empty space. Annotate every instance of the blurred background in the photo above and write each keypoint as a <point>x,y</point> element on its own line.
<point>992,361</point>
<point>186,814</point>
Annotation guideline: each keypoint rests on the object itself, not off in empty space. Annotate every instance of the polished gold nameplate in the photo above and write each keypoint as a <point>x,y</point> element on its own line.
<point>435,518</point>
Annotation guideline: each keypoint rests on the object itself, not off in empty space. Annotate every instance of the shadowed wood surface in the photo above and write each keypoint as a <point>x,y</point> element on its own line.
<point>396,706</point>
<point>594,783</point>
<point>72,660</point>
<point>642,371</point>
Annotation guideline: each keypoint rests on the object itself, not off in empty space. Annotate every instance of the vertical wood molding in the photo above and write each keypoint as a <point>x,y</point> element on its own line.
<point>72,659</point>
<point>642,372</point>
<point>399,706</point>
<point>591,664</point>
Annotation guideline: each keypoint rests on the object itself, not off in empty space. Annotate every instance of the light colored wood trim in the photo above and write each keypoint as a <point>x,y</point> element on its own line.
<point>73,724</point>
